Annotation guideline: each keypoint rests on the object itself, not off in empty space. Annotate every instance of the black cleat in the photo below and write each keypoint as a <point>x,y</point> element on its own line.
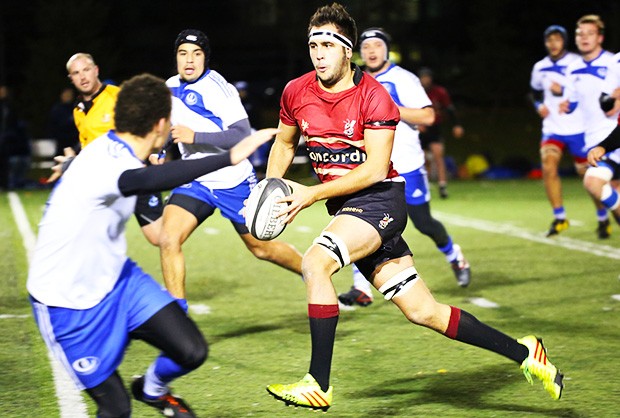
<point>355,296</point>
<point>443,191</point>
<point>168,404</point>
<point>461,267</point>
<point>604,229</point>
<point>557,226</point>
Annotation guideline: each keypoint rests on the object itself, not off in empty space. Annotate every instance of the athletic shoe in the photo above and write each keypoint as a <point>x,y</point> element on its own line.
<point>443,191</point>
<point>538,364</point>
<point>355,296</point>
<point>557,226</point>
<point>306,393</point>
<point>604,229</point>
<point>168,404</point>
<point>461,268</point>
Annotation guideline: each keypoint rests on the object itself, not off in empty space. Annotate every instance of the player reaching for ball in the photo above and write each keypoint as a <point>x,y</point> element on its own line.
<point>348,120</point>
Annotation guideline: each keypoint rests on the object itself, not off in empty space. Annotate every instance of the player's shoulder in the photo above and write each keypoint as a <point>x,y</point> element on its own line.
<point>174,81</point>
<point>111,90</point>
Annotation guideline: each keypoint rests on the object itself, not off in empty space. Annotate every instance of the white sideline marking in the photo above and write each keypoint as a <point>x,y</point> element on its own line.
<point>9,316</point>
<point>211,231</point>
<point>483,303</point>
<point>513,231</point>
<point>615,297</point>
<point>200,309</point>
<point>70,400</point>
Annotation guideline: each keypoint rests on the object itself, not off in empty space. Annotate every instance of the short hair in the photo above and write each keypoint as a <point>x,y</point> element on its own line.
<point>595,20</point>
<point>337,15</point>
<point>142,101</point>
<point>77,56</point>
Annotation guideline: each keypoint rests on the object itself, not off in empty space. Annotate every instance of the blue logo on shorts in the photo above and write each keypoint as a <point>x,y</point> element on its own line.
<point>86,365</point>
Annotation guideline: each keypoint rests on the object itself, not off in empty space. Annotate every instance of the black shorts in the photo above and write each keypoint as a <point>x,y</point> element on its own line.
<point>383,206</point>
<point>149,208</point>
<point>430,135</point>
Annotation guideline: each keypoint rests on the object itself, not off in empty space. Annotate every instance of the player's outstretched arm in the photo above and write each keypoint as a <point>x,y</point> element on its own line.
<point>250,143</point>
<point>157,178</point>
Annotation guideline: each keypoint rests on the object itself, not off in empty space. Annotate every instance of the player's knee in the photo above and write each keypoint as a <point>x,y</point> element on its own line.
<point>328,254</point>
<point>195,355</point>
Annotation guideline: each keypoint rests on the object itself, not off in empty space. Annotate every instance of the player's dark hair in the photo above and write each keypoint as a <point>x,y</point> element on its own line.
<point>337,15</point>
<point>142,101</point>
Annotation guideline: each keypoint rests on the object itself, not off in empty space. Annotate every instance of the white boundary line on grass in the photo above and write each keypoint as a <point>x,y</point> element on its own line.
<point>513,231</point>
<point>69,397</point>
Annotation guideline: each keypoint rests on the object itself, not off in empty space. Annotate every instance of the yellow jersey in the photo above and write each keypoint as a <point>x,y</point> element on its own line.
<point>96,117</point>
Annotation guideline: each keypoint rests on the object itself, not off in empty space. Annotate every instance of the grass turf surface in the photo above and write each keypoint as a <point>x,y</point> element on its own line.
<point>383,366</point>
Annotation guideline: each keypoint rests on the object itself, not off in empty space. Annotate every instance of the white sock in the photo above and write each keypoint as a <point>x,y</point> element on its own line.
<point>153,387</point>
<point>360,282</point>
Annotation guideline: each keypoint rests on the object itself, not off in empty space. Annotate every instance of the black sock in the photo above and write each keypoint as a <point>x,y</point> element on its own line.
<point>323,334</point>
<point>471,331</point>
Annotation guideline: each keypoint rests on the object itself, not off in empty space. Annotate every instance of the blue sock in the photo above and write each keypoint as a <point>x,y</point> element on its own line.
<point>601,214</point>
<point>559,213</point>
<point>448,250</point>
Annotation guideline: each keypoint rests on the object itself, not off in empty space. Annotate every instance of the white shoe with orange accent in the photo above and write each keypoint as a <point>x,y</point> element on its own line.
<point>538,364</point>
<point>306,393</point>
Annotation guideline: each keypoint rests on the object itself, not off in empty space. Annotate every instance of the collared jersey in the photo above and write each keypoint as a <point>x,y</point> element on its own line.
<point>99,118</point>
<point>81,245</point>
<point>586,81</point>
<point>209,104</point>
<point>333,124</point>
<point>406,90</point>
<point>544,73</point>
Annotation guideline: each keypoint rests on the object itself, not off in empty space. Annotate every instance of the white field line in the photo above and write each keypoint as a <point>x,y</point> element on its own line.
<point>513,231</point>
<point>70,400</point>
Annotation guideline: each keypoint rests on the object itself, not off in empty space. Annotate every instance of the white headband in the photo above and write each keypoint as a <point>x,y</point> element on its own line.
<point>325,35</point>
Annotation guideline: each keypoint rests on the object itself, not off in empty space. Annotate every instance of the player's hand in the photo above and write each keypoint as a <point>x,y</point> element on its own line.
<point>564,107</point>
<point>543,111</point>
<point>300,198</point>
<point>458,131</point>
<point>157,159</point>
<point>556,89</point>
<point>57,170</point>
<point>595,155</point>
<point>250,143</point>
<point>182,134</point>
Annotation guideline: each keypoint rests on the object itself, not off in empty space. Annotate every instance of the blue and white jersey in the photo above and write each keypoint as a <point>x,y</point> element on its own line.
<point>612,82</point>
<point>544,73</point>
<point>407,91</point>
<point>81,247</point>
<point>209,104</point>
<point>586,82</point>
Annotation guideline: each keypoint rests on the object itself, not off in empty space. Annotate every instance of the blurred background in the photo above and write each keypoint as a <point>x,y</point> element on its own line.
<point>482,51</point>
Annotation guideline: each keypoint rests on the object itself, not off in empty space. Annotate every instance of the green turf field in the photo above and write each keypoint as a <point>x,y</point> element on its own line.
<point>560,289</point>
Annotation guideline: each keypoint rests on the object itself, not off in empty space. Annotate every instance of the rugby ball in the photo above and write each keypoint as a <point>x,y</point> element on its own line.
<point>261,210</point>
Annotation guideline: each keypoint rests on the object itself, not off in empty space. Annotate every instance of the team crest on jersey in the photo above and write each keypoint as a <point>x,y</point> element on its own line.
<point>601,72</point>
<point>107,118</point>
<point>304,125</point>
<point>349,126</point>
<point>153,201</point>
<point>191,98</point>
<point>387,219</point>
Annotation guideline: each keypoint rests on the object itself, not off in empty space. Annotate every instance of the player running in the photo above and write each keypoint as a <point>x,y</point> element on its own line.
<point>560,131</point>
<point>415,109</point>
<point>348,120</point>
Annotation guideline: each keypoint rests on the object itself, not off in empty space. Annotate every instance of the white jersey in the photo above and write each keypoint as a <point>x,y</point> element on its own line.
<point>407,91</point>
<point>612,82</point>
<point>544,73</point>
<point>209,104</point>
<point>81,247</point>
<point>586,82</point>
